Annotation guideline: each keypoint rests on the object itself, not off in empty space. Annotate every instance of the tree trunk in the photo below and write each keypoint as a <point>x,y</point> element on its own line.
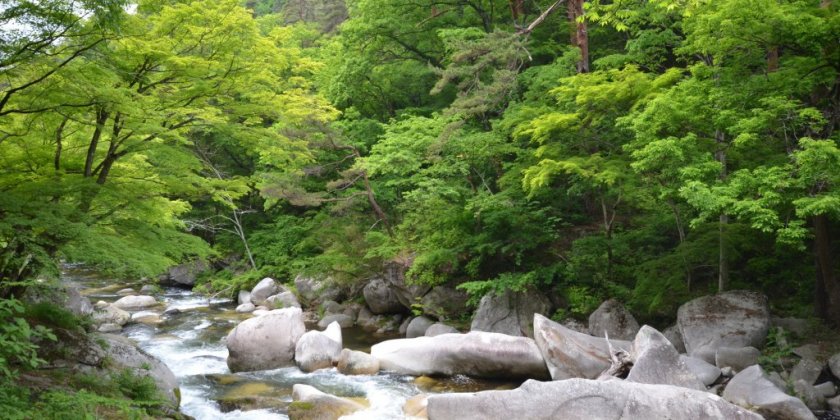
<point>101,117</point>
<point>579,33</point>
<point>827,304</point>
<point>723,264</point>
<point>773,59</point>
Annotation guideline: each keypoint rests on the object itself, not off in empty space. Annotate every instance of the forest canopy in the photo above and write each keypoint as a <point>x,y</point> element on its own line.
<point>650,151</point>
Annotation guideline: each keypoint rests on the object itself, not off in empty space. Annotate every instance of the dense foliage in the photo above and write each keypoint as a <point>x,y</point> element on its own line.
<point>647,150</point>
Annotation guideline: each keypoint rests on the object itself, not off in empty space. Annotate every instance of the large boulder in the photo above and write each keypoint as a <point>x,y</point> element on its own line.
<point>417,327</point>
<point>751,388</point>
<point>265,342</point>
<point>282,300</point>
<point>266,288</point>
<point>135,302</point>
<point>807,370</point>
<point>316,289</point>
<point>110,314</point>
<point>478,354</point>
<point>407,294</point>
<point>185,274</point>
<point>311,404</point>
<point>243,297</point>
<point>738,358</point>
<point>656,361</point>
<point>317,350</point>
<point>729,319</point>
<point>351,362</point>
<point>570,354</point>
<point>834,365</point>
<point>345,321</point>
<point>704,371</point>
<point>614,319</point>
<point>380,298</point>
<point>510,313</point>
<point>444,302</point>
<point>673,335</point>
<point>440,329</point>
<point>582,399</point>
<point>125,354</point>
<point>76,303</point>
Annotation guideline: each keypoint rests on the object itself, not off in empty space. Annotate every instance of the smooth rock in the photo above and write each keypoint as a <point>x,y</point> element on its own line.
<point>750,388</point>
<point>259,312</point>
<point>728,319</point>
<point>109,328</point>
<point>807,370</point>
<point>575,325</point>
<point>351,362</point>
<point>656,361</point>
<point>417,327</point>
<point>809,395</point>
<point>316,350</point>
<point>343,320</point>
<point>404,327</point>
<point>834,365</point>
<point>738,358</point>
<point>777,380</point>
<point>135,302</point>
<point>582,399</point>
<point>478,354</point>
<point>570,354</point>
<point>185,274</point>
<point>316,289</point>
<point>407,294</point>
<point>148,289</point>
<point>834,404</point>
<point>111,314</point>
<point>380,298</point>
<point>126,292</point>
<point>265,342</point>
<point>282,300</point>
<point>444,302</point>
<point>264,289</point>
<point>125,354</point>
<point>75,302</point>
<point>807,351</point>
<point>146,317</point>
<point>511,313</point>
<point>332,307</point>
<point>312,404</point>
<point>333,331</point>
<point>826,389</point>
<point>172,311</point>
<point>246,308</point>
<point>707,373</point>
<point>673,335</point>
<point>613,318</point>
<point>244,296</point>
<point>439,328</point>
<point>415,407</point>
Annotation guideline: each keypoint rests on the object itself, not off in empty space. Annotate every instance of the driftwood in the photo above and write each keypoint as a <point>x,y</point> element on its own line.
<point>620,362</point>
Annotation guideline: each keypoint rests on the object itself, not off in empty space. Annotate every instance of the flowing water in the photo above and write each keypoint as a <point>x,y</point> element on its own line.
<point>190,343</point>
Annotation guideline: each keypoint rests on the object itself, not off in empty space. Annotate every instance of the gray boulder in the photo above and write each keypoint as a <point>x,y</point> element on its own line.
<point>185,274</point>
<point>125,354</point>
<point>797,326</point>
<point>834,404</point>
<point>316,289</point>
<point>148,288</point>
<point>244,296</point>
<point>317,350</point>
<point>264,289</point>
<point>407,294</point>
<point>826,389</point>
<point>834,365</point>
<point>246,308</point>
<point>344,321</point>
<point>738,358</point>
<point>656,361</point>
<point>135,302</point>
<point>809,395</point>
<point>76,303</point>
<point>808,370</point>
<point>750,388</point>
<point>511,313</point>
<point>729,319</point>
<point>380,298</point>
<point>444,302</point>
<point>582,399</point>
<point>613,318</point>
<point>316,405</point>
<point>438,329</point>
<point>351,362</point>
<point>379,324</point>
<point>478,354</point>
<point>673,335</point>
<point>570,354</point>
<point>126,292</point>
<point>282,300</point>
<point>705,372</point>
<point>265,342</point>
<point>109,328</point>
<point>417,327</point>
<point>110,314</point>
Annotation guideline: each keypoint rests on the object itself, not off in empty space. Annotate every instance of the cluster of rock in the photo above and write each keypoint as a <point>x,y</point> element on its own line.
<point>706,366</point>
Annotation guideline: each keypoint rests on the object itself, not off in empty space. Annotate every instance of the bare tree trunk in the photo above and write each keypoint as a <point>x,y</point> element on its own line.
<point>579,35</point>
<point>723,263</point>
<point>827,304</point>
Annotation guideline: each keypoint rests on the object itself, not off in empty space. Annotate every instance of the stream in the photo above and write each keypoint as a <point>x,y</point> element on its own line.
<point>190,343</point>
